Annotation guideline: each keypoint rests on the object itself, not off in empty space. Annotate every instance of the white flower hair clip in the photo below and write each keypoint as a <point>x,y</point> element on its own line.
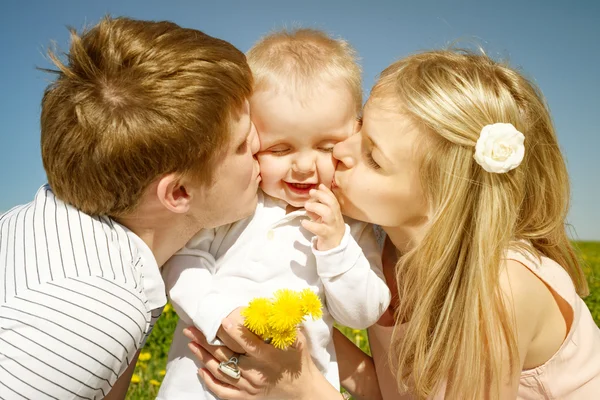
<point>499,148</point>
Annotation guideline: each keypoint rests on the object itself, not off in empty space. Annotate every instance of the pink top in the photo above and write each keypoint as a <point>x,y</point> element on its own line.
<point>573,372</point>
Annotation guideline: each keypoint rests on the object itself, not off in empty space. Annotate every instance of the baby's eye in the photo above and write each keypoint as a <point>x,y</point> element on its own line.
<point>278,151</point>
<point>326,149</point>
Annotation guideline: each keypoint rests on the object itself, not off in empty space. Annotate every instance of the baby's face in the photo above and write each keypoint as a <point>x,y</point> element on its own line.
<point>297,138</point>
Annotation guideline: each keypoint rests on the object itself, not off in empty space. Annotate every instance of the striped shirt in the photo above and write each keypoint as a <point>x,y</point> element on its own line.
<point>79,295</point>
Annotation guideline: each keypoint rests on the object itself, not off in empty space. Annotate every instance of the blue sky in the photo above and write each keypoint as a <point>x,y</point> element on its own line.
<point>556,43</point>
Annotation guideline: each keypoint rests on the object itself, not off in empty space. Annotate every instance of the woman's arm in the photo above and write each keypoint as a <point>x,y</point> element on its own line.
<point>357,370</point>
<point>266,372</point>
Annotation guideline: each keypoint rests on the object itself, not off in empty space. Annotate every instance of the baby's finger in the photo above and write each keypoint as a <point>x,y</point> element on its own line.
<point>313,216</point>
<point>320,209</point>
<point>315,228</point>
<point>324,195</point>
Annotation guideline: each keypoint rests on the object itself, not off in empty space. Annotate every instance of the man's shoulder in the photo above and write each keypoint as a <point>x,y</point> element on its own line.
<point>12,212</point>
<point>48,239</point>
<point>76,325</point>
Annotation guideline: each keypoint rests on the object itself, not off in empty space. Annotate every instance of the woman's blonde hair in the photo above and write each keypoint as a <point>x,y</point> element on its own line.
<point>449,283</point>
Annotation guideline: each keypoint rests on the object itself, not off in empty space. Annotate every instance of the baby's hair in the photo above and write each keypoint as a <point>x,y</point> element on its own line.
<point>303,60</point>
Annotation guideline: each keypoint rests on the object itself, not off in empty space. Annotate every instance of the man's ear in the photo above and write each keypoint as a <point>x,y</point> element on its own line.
<point>172,193</point>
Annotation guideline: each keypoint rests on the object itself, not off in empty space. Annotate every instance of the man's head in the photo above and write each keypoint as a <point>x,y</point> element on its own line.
<point>137,101</point>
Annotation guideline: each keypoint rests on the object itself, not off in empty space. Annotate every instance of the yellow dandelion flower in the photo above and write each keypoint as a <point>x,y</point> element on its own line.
<point>145,356</point>
<point>154,382</point>
<point>135,378</point>
<point>162,372</point>
<point>256,316</point>
<point>141,365</point>
<point>311,304</point>
<point>287,311</point>
<point>284,339</point>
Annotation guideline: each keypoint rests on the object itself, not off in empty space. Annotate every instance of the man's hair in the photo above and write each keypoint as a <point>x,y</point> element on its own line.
<point>136,100</point>
<point>303,59</point>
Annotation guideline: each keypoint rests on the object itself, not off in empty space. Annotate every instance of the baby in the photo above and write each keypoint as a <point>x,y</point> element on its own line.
<point>307,98</point>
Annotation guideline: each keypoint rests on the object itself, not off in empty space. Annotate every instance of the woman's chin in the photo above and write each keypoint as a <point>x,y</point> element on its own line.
<point>349,210</point>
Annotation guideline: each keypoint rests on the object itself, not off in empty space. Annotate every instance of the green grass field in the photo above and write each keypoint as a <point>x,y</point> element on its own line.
<point>150,368</point>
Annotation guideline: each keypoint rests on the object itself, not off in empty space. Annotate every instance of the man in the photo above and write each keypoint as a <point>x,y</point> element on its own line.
<point>146,139</point>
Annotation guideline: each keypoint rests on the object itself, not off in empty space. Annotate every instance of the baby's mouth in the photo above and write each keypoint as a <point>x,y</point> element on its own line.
<point>302,188</point>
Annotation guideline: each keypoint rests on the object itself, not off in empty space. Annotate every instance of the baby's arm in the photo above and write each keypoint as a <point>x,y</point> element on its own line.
<point>350,269</point>
<point>194,289</point>
<point>355,289</point>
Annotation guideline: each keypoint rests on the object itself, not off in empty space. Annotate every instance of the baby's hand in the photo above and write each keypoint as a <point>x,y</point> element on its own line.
<point>326,221</point>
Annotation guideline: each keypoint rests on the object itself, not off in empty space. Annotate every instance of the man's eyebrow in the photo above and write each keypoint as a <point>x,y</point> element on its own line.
<point>241,142</point>
<point>249,127</point>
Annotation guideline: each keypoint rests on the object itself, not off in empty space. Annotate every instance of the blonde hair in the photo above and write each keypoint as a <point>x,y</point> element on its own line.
<point>301,59</point>
<point>459,325</point>
<point>133,101</point>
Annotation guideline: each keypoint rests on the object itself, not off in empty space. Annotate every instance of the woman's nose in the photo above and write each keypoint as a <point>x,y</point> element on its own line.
<point>344,151</point>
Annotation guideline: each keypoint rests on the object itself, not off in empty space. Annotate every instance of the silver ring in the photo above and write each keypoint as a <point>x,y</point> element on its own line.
<point>230,367</point>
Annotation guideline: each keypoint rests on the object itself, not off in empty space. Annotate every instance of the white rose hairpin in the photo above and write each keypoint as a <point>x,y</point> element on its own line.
<point>499,148</point>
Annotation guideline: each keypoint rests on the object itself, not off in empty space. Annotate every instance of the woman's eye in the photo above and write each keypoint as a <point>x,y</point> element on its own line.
<point>371,162</point>
<point>328,149</point>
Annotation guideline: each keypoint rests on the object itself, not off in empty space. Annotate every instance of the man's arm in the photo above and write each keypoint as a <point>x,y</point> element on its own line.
<point>119,389</point>
<point>70,338</point>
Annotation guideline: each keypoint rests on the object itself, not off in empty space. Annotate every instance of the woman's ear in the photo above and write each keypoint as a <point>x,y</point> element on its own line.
<point>172,194</point>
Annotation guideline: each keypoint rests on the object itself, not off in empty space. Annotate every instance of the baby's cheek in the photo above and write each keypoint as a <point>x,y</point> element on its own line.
<point>326,168</point>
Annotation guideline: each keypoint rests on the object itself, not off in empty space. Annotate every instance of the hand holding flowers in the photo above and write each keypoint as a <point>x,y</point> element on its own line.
<point>276,320</point>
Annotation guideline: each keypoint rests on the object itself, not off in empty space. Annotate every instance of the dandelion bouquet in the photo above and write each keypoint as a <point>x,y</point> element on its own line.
<point>276,320</point>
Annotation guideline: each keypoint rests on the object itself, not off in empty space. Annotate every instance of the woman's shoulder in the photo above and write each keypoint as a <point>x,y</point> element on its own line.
<point>540,321</point>
<point>522,288</point>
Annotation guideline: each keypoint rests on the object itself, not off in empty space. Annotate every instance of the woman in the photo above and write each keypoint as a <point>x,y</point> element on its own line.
<point>458,161</point>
